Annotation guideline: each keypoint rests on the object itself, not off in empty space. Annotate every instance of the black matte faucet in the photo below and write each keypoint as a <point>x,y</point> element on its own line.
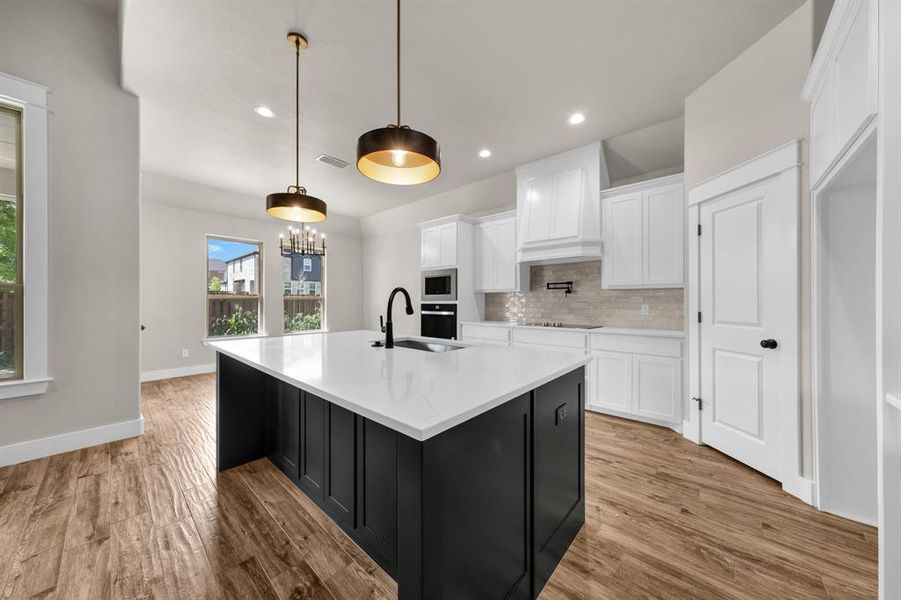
<point>388,327</point>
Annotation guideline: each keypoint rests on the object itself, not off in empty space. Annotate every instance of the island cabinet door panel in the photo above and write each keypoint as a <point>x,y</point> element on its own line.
<point>286,424</point>
<point>377,481</point>
<point>341,466</point>
<point>476,499</point>
<point>558,421</point>
<point>243,431</point>
<point>312,446</point>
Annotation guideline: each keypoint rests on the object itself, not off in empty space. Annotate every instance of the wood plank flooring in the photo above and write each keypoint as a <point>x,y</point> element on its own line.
<point>149,517</point>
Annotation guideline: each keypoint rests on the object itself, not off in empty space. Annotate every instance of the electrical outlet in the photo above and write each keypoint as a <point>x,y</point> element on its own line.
<point>184,353</point>
<point>645,310</point>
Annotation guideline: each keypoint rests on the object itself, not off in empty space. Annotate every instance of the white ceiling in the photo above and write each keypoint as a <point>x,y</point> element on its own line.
<point>501,74</point>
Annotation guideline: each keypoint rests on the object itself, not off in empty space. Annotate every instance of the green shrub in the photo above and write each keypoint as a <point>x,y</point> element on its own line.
<point>302,322</point>
<point>240,322</point>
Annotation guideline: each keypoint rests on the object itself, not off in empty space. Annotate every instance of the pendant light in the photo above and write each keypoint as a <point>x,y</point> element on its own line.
<point>296,204</point>
<point>396,153</point>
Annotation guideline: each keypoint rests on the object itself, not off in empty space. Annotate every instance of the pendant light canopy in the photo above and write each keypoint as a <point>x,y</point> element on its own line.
<point>396,153</point>
<point>295,204</point>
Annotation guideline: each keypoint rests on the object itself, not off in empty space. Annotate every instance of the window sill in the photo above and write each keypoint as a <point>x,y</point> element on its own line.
<point>306,332</point>
<point>23,387</point>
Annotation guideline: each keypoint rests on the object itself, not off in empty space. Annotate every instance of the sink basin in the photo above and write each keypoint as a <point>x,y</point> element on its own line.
<point>425,346</point>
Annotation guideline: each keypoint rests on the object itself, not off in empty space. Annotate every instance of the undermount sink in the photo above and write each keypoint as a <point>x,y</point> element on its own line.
<point>425,346</point>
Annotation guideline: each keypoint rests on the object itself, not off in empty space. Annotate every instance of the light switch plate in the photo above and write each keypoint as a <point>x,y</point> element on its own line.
<point>645,310</point>
<point>184,353</point>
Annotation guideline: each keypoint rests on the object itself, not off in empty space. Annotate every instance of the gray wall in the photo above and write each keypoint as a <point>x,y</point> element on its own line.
<point>73,49</point>
<point>173,278</point>
<point>749,107</point>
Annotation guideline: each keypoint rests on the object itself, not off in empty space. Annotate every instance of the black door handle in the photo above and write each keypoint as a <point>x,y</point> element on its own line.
<point>770,343</point>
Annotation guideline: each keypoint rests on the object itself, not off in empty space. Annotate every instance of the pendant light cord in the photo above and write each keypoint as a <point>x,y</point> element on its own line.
<point>297,113</point>
<point>398,63</point>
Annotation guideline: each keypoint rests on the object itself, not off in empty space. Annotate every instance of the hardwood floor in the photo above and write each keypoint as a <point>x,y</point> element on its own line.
<point>149,517</point>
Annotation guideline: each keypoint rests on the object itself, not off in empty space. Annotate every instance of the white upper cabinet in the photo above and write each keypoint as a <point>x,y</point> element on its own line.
<point>643,233</point>
<point>440,242</point>
<point>558,206</point>
<point>496,266</point>
<point>842,84</point>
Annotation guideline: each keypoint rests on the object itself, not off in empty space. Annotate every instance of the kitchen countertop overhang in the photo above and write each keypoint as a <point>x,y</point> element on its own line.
<point>417,393</point>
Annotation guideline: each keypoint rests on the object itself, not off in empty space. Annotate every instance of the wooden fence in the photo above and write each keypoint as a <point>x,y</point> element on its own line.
<point>225,305</point>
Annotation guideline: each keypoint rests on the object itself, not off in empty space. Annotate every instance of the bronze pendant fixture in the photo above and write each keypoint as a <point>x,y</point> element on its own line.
<point>397,154</point>
<point>295,204</point>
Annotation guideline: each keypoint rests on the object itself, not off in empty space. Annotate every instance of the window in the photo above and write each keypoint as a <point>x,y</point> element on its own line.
<point>233,284</point>
<point>11,311</point>
<point>304,279</point>
<point>23,238</point>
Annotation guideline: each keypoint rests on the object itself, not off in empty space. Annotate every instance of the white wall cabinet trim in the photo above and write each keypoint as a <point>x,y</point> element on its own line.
<point>842,83</point>
<point>441,242</point>
<point>643,233</point>
<point>495,251</point>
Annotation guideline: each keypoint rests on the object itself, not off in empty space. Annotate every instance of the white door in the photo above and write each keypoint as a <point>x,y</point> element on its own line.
<point>662,221</point>
<point>748,276</point>
<point>505,254</point>
<point>611,378</point>
<point>622,244</point>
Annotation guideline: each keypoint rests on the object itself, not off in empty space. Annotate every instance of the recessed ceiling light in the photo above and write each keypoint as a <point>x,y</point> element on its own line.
<point>576,118</point>
<point>264,111</point>
<point>484,153</point>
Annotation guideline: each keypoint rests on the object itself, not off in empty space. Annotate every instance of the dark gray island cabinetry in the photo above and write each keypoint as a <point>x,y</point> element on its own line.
<point>484,508</point>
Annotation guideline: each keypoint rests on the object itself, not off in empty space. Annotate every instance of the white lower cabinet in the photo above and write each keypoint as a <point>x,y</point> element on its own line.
<point>657,387</point>
<point>626,382</point>
<point>611,374</point>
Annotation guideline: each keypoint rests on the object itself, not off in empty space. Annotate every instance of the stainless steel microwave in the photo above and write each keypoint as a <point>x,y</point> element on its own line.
<point>439,286</point>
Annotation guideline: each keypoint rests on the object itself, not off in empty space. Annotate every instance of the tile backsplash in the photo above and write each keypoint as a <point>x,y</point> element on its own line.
<point>588,304</point>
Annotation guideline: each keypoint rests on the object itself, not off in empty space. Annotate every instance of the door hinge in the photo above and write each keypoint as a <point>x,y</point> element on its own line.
<point>699,316</point>
<point>700,404</point>
<point>699,229</point>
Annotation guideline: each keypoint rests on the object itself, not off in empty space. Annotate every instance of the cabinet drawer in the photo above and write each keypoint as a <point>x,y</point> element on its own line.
<point>637,344</point>
<point>574,340</point>
<point>486,333</point>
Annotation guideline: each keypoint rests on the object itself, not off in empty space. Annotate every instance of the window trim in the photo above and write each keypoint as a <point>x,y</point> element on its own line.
<point>31,100</point>
<point>261,286</point>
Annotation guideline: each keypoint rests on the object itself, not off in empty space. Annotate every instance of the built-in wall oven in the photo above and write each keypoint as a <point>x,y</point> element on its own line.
<point>439,286</point>
<point>439,321</point>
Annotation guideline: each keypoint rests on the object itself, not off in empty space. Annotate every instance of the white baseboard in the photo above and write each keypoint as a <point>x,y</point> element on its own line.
<point>178,372</point>
<point>66,442</point>
<point>677,427</point>
<point>801,488</point>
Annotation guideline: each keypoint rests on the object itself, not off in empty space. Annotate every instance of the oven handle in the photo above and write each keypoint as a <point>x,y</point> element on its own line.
<point>436,312</point>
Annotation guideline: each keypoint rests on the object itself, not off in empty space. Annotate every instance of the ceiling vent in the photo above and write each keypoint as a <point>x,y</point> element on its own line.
<point>332,160</point>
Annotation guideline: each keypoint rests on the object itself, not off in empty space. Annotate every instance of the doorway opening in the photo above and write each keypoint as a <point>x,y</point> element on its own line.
<point>844,337</point>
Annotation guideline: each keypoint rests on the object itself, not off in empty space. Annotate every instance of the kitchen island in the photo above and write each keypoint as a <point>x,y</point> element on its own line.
<point>460,472</point>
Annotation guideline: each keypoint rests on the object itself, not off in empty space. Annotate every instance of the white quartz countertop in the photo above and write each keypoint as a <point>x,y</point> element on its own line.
<point>417,393</point>
<point>672,333</point>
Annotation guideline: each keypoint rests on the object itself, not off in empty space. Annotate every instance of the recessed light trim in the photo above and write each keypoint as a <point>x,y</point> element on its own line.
<point>576,118</point>
<point>264,111</point>
<point>484,153</point>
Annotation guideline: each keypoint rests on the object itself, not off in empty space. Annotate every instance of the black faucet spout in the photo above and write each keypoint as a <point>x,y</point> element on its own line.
<point>389,323</point>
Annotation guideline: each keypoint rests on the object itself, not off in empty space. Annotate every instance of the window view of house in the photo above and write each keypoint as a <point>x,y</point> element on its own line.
<point>303,278</point>
<point>10,244</point>
<point>234,287</point>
